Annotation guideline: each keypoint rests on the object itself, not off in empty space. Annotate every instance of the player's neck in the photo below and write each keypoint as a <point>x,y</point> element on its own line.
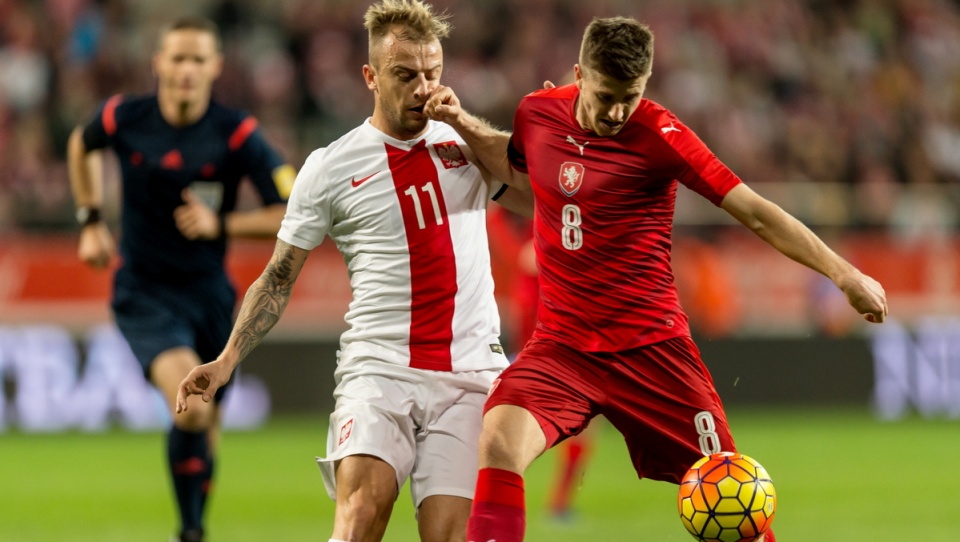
<point>581,116</point>
<point>182,113</point>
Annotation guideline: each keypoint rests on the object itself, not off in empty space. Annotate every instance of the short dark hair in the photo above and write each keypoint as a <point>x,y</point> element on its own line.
<point>619,47</point>
<point>201,24</point>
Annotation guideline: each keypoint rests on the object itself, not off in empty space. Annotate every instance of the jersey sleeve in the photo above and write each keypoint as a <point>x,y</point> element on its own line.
<point>270,174</point>
<point>700,170</point>
<point>308,216</point>
<point>99,132</point>
<point>516,150</point>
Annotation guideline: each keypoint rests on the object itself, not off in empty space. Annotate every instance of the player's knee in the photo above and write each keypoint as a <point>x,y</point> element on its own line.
<point>363,509</point>
<point>443,518</point>
<point>199,417</point>
<point>511,438</point>
<point>497,451</point>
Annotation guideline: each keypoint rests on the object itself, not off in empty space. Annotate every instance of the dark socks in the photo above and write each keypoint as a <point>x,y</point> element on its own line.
<point>191,467</point>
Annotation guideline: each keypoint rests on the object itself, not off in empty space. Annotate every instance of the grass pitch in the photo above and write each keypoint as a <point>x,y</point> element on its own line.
<point>840,475</point>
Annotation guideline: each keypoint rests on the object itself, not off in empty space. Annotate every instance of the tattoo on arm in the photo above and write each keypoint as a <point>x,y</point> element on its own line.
<point>267,298</point>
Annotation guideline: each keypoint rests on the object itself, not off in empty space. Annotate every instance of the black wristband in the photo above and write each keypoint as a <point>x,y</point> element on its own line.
<point>88,215</point>
<point>503,188</point>
<point>223,224</point>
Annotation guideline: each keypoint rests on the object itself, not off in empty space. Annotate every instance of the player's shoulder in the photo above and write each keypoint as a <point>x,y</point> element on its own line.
<point>218,110</point>
<point>657,118</point>
<point>226,118</point>
<point>313,165</point>
<point>329,161</point>
<point>547,95</point>
<point>356,141</point>
<point>122,113</point>
<point>652,109</point>
<point>441,132</point>
<point>131,108</point>
<point>550,103</point>
<point>140,101</point>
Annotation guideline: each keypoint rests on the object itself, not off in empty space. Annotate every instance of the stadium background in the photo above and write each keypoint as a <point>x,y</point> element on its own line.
<point>845,112</point>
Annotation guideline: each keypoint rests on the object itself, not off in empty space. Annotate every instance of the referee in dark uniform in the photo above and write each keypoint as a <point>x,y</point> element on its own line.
<point>182,158</point>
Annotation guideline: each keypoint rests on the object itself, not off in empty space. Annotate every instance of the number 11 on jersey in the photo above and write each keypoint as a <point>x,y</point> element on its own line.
<point>430,190</point>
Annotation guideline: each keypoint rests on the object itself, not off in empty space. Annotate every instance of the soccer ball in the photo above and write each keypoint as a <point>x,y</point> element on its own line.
<point>727,497</point>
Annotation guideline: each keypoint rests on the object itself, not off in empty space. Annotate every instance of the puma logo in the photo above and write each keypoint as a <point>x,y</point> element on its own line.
<point>670,128</point>
<point>570,139</point>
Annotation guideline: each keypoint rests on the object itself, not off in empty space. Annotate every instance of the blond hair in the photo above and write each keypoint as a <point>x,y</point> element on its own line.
<point>408,19</point>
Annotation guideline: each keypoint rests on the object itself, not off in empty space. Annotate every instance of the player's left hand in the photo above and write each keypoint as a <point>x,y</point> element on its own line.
<point>203,380</point>
<point>443,106</point>
<point>866,295</point>
<point>194,219</point>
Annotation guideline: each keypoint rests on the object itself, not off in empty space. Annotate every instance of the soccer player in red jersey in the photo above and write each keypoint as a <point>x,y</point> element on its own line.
<point>604,165</point>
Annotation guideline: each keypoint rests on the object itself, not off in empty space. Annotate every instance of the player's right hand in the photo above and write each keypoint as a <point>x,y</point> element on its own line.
<point>96,245</point>
<point>443,106</point>
<point>203,380</point>
<point>867,296</point>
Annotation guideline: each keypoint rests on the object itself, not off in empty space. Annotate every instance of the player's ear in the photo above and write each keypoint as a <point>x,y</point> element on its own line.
<point>217,65</point>
<point>370,77</point>
<point>578,76</point>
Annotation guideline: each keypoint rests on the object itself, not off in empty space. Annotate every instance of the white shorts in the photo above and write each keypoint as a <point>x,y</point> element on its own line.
<point>425,424</point>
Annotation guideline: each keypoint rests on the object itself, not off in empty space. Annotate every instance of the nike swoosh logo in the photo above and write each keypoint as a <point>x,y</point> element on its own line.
<point>355,183</point>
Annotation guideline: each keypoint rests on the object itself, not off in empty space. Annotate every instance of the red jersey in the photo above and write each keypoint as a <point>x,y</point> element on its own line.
<point>604,218</point>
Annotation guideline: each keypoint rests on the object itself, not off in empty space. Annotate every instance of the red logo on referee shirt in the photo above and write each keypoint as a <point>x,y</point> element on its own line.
<point>345,430</point>
<point>450,154</point>
<point>172,160</point>
<point>571,177</point>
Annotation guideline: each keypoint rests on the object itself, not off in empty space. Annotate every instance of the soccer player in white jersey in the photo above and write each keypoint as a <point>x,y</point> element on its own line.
<point>404,200</point>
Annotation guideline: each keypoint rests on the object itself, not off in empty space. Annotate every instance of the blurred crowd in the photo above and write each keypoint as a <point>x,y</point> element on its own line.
<point>863,94</point>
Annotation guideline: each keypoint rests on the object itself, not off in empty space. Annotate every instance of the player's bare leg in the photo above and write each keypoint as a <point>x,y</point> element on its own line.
<point>443,518</point>
<point>366,491</point>
<point>166,372</point>
<point>510,440</point>
<point>191,441</point>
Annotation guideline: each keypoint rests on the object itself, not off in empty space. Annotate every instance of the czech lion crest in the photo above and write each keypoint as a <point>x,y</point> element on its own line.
<point>571,177</point>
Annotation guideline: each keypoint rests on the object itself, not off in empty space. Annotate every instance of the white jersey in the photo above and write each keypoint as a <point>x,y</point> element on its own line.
<point>409,218</point>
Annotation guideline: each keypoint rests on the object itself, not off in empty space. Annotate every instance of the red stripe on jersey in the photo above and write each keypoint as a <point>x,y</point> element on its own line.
<point>433,269</point>
<point>109,116</point>
<point>242,132</point>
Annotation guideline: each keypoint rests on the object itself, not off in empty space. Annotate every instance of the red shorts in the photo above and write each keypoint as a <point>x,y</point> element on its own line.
<point>660,397</point>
